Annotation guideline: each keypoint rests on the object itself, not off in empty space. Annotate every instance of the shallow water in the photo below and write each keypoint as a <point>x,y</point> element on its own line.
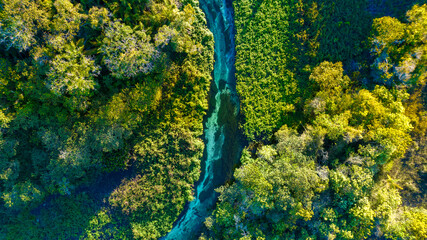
<point>222,138</point>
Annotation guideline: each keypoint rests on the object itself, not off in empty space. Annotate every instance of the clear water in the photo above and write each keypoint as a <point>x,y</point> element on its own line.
<point>221,136</point>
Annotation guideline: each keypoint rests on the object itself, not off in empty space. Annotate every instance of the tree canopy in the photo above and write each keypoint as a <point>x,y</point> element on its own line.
<point>94,87</point>
<point>348,162</point>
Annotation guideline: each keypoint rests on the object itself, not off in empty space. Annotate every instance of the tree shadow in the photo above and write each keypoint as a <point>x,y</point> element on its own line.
<point>84,214</point>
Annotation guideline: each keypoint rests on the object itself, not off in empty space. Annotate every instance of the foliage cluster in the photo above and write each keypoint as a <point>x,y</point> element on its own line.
<point>265,84</point>
<point>89,87</point>
<point>343,171</point>
<point>278,43</point>
<point>330,181</point>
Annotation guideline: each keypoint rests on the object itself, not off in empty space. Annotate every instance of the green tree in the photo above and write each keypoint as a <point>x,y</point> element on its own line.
<point>273,192</point>
<point>400,48</point>
<point>72,72</point>
<point>342,114</point>
<point>21,195</point>
<point>127,52</point>
<point>65,23</point>
<point>20,21</point>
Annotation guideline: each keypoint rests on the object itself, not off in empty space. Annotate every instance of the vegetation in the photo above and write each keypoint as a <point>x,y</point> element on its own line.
<point>273,81</point>
<point>348,162</point>
<point>266,86</point>
<point>90,87</point>
<point>329,181</point>
<point>333,103</point>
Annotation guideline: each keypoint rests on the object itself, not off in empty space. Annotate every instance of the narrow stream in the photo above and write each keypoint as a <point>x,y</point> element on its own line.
<point>222,138</point>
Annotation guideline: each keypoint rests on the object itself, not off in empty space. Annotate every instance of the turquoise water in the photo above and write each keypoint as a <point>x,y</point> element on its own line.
<point>221,136</point>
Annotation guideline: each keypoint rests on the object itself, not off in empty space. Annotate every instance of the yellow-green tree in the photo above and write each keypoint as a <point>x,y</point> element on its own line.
<point>400,48</point>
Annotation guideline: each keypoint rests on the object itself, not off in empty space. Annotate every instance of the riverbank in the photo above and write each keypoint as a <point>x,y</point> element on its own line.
<point>221,135</point>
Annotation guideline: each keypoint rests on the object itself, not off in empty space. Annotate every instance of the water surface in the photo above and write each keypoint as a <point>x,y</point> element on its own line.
<point>221,136</point>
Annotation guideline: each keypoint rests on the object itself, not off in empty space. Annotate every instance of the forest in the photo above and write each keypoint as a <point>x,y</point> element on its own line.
<point>89,88</point>
<point>103,105</point>
<point>333,101</point>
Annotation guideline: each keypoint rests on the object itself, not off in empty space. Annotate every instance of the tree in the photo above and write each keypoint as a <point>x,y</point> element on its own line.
<point>127,52</point>
<point>400,49</point>
<point>273,192</point>
<point>65,24</point>
<point>21,195</point>
<point>362,116</point>
<point>72,72</point>
<point>19,23</point>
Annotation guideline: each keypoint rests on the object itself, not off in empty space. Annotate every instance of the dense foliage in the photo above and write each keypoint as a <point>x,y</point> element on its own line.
<point>90,87</point>
<point>333,100</point>
<point>278,43</point>
<point>266,86</point>
<point>349,162</point>
<point>329,181</point>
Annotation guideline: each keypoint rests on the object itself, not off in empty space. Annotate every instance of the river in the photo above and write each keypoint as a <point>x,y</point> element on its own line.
<point>221,135</point>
